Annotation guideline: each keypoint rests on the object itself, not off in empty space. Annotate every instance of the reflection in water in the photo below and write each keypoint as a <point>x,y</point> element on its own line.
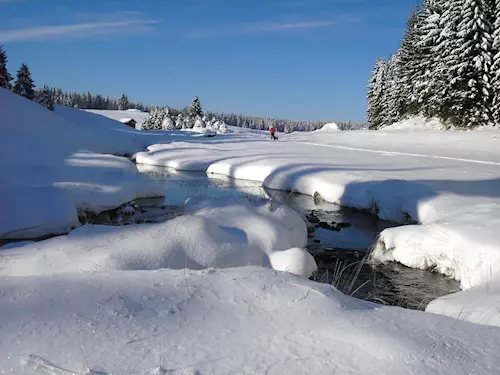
<point>339,238</point>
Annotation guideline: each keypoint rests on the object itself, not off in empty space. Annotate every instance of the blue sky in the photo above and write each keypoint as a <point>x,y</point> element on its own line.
<point>296,59</point>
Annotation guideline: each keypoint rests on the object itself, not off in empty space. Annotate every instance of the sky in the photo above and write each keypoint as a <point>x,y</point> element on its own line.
<point>293,59</point>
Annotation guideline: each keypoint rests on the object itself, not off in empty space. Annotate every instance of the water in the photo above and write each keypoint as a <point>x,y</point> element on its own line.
<point>339,238</point>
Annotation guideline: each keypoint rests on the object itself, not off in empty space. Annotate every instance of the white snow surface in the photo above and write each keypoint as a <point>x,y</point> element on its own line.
<point>449,182</point>
<point>139,116</point>
<point>329,127</point>
<point>230,321</point>
<point>215,233</point>
<point>50,167</point>
<point>478,305</point>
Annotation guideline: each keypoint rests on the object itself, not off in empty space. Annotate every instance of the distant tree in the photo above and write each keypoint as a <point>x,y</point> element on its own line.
<point>195,108</point>
<point>167,123</point>
<point>5,77</point>
<point>199,123</point>
<point>45,97</point>
<point>123,104</point>
<point>24,84</point>
<point>179,122</point>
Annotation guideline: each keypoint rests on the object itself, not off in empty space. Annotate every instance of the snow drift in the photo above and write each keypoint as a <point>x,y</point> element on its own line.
<point>49,169</point>
<point>215,233</point>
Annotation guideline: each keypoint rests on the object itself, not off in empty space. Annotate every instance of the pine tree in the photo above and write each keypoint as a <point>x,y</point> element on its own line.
<point>5,77</point>
<point>430,69</point>
<point>375,94</point>
<point>123,104</point>
<point>167,123</point>
<point>470,95</point>
<point>24,84</point>
<point>45,97</point>
<point>195,108</point>
<point>496,64</point>
<point>391,97</point>
<point>179,122</point>
<point>409,57</point>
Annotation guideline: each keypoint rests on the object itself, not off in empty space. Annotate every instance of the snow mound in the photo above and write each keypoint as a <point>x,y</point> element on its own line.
<point>417,123</point>
<point>296,260</point>
<point>477,305</point>
<point>212,234</point>
<point>330,127</point>
<point>49,168</point>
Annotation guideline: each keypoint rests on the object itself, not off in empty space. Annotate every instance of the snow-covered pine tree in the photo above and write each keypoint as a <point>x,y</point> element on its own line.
<point>5,77</point>
<point>447,59</point>
<point>154,121</point>
<point>375,94</point>
<point>199,123</point>
<point>24,84</point>
<point>471,92</point>
<point>430,70</point>
<point>123,104</point>
<point>495,76</point>
<point>179,121</point>
<point>195,108</point>
<point>45,97</point>
<point>167,123</point>
<point>391,96</point>
<point>409,57</point>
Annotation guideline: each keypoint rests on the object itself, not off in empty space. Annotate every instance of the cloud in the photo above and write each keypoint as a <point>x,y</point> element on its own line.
<point>283,26</point>
<point>268,27</point>
<point>78,30</point>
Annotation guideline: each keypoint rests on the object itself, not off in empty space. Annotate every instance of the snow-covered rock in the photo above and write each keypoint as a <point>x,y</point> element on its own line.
<point>330,127</point>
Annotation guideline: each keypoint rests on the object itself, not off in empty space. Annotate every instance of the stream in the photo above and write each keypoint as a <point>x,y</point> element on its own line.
<point>339,238</point>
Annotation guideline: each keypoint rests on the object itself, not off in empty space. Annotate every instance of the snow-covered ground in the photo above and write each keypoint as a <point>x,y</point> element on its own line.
<point>449,182</point>
<point>52,167</point>
<point>139,116</point>
<point>231,321</point>
<point>120,300</point>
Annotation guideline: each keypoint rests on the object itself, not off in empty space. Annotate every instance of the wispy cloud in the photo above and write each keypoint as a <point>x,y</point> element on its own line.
<point>267,27</point>
<point>78,30</point>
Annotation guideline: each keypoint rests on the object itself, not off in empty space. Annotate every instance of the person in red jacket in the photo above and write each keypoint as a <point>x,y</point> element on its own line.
<point>272,130</point>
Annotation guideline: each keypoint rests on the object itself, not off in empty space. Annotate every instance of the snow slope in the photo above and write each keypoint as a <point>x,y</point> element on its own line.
<point>232,321</point>
<point>139,116</point>
<point>447,181</point>
<point>49,169</point>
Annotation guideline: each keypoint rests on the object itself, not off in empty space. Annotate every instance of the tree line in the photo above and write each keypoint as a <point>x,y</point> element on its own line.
<point>161,117</point>
<point>447,66</point>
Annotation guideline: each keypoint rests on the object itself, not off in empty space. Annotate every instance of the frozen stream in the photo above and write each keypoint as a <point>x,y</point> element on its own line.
<point>339,238</point>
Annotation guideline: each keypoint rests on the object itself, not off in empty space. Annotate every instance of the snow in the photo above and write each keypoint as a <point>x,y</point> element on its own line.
<point>215,233</point>
<point>478,305</point>
<point>234,321</point>
<point>116,115</point>
<point>330,127</point>
<point>52,167</point>
<point>165,298</point>
<point>417,123</point>
<point>405,175</point>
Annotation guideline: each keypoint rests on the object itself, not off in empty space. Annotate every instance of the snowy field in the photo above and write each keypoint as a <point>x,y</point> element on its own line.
<point>204,293</point>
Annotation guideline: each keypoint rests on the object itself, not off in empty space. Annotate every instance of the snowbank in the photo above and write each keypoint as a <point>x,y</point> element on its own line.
<point>244,320</point>
<point>49,168</point>
<point>216,233</point>
<point>404,176</point>
<point>330,127</point>
<point>478,305</point>
<point>417,123</point>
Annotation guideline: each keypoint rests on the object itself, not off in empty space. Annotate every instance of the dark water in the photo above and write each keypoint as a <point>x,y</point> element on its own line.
<point>339,238</point>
